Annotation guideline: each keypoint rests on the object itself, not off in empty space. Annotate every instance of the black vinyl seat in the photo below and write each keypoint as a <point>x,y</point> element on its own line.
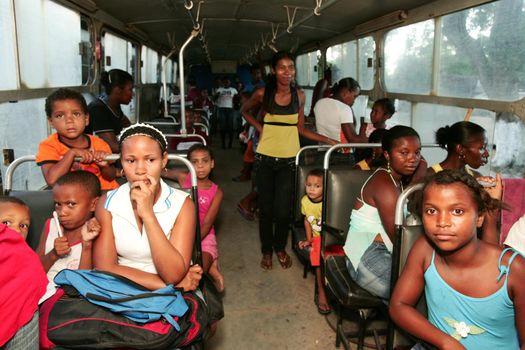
<point>41,208</point>
<point>342,187</point>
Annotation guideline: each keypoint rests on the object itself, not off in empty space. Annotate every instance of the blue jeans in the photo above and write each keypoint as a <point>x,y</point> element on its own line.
<point>373,271</point>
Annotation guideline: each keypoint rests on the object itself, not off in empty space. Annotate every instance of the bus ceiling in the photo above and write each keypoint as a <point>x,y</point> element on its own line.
<point>238,30</point>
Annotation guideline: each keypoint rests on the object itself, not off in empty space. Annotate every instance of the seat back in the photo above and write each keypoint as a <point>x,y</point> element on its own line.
<point>408,231</point>
<point>41,208</point>
<point>343,186</point>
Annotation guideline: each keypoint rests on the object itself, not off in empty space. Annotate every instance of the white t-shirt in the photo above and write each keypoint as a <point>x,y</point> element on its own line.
<point>225,99</point>
<point>70,261</point>
<point>329,115</point>
<point>516,237</point>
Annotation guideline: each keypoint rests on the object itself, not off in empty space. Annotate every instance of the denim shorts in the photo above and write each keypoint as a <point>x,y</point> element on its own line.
<point>373,271</point>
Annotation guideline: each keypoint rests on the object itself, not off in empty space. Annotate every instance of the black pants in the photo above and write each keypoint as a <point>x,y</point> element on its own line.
<point>226,125</point>
<point>275,179</point>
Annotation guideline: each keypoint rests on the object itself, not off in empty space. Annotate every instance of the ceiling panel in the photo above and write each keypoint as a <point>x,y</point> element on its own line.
<point>234,27</point>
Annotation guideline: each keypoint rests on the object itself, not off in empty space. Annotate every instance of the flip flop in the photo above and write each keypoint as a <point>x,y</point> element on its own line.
<point>245,213</point>
<point>266,262</point>
<point>284,259</point>
<point>325,310</point>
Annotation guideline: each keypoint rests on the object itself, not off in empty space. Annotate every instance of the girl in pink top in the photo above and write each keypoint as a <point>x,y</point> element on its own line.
<point>210,197</point>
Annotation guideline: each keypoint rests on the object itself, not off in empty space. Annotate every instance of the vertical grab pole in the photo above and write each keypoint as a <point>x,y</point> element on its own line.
<point>193,34</point>
<point>164,85</point>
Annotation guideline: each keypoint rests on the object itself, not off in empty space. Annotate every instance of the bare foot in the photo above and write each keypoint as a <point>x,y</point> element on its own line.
<point>217,276</point>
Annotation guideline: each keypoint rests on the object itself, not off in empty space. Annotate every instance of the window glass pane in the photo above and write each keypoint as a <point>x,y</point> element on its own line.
<point>149,65</point>
<point>131,57</point>
<point>175,72</point>
<point>115,53</point>
<point>408,58</point>
<point>168,68</point>
<point>308,100</point>
<point>342,59</point>
<point>306,72</point>
<point>48,48</point>
<point>87,51</point>
<point>367,49</point>
<point>359,109</point>
<point>482,52</point>
<point>509,138</point>
<point>301,70</point>
<point>7,47</point>
<point>23,135</point>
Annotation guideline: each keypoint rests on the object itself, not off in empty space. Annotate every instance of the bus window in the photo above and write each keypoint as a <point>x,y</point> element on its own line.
<point>343,60</point>
<point>482,52</point>
<point>7,47</point>
<point>408,58</point>
<point>367,51</point>
<point>86,50</point>
<point>48,49</point>
<point>150,61</point>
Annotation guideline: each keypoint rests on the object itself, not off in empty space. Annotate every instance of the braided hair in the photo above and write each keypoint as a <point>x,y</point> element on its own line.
<point>144,130</point>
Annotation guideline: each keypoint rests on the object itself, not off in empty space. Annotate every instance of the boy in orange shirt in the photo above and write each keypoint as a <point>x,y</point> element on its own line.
<point>67,113</point>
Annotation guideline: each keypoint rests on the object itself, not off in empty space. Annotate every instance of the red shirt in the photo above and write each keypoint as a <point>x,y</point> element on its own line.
<point>22,283</point>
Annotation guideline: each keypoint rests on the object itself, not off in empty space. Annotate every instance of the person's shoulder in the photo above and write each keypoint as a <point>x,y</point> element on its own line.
<point>51,139</point>
<point>381,182</point>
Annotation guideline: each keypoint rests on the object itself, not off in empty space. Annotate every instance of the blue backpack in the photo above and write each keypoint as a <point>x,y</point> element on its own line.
<point>124,296</point>
<point>99,310</point>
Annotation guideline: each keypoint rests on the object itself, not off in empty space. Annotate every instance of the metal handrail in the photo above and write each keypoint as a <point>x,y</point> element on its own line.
<point>400,204</point>
<point>184,136</point>
<point>31,158</point>
<point>307,148</point>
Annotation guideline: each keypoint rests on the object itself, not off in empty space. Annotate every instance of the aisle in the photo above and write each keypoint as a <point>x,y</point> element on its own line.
<point>264,309</point>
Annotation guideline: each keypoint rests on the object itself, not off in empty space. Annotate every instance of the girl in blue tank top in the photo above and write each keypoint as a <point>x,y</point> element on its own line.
<point>475,291</point>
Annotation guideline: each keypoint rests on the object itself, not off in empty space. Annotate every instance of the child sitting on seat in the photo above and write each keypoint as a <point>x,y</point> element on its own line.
<point>473,300</point>
<point>311,208</point>
<point>210,198</point>
<point>67,113</point>
<point>67,244</point>
<point>14,213</point>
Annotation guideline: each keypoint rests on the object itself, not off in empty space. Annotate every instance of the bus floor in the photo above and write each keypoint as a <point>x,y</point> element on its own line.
<point>263,309</point>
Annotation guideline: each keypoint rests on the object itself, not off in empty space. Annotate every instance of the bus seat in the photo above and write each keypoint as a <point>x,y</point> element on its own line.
<point>41,208</point>
<point>343,186</point>
<point>89,97</point>
<point>406,236</point>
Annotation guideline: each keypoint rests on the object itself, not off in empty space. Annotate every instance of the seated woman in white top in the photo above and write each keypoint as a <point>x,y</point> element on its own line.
<point>368,245</point>
<point>334,117</point>
<point>147,227</point>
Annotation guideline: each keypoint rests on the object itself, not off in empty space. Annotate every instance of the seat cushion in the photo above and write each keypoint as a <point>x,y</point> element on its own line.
<point>344,288</point>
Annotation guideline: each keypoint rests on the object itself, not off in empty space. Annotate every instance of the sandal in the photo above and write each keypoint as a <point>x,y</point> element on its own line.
<point>284,259</point>
<point>323,309</point>
<point>266,262</point>
<point>245,213</point>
